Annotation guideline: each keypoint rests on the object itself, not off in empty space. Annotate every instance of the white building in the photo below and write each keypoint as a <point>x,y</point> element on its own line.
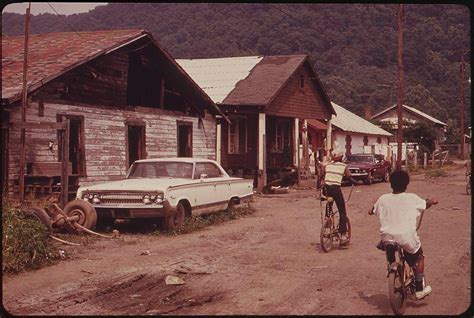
<point>353,134</point>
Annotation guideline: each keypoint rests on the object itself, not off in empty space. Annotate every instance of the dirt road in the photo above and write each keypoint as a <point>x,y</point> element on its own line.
<point>266,263</point>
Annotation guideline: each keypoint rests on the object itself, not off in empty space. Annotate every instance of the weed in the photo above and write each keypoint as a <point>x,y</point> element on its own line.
<point>436,173</point>
<point>199,222</point>
<point>24,240</point>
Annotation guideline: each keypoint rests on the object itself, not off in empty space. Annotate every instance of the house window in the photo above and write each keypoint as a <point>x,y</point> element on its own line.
<point>366,141</point>
<point>237,135</point>
<point>282,135</point>
<point>301,81</point>
<point>379,140</point>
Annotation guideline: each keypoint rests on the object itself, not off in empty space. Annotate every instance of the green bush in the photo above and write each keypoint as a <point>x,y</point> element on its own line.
<point>24,241</point>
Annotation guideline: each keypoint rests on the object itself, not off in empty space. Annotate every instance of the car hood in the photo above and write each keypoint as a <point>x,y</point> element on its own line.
<point>362,165</point>
<point>142,184</point>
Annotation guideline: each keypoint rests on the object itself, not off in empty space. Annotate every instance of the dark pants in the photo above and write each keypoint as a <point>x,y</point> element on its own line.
<point>335,192</point>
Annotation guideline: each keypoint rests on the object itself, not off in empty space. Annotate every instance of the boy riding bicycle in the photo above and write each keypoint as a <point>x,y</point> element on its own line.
<point>333,173</point>
<point>398,212</point>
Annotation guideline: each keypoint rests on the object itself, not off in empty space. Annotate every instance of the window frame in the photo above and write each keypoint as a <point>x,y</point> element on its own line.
<point>235,139</point>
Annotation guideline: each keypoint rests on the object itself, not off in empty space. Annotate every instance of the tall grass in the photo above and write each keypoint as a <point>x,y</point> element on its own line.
<point>24,240</point>
<point>196,223</point>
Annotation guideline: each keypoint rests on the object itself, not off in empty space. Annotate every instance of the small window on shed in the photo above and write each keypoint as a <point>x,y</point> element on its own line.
<point>301,81</point>
<point>379,140</point>
<point>366,141</point>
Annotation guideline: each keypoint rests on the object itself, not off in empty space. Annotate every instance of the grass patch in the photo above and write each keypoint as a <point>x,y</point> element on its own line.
<point>24,240</point>
<point>436,173</point>
<point>199,222</point>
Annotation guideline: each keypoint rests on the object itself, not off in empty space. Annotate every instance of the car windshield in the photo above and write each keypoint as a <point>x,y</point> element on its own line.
<point>367,159</point>
<point>155,170</point>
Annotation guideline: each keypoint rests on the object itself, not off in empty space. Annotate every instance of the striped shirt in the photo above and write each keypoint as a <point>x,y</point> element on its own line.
<point>334,173</point>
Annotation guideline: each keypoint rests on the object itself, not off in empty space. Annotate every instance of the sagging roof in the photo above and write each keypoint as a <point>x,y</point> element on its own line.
<point>348,121</point>
<point>53,54</point>
<point>248,80</point>
<point>414,111</point>
<point>316,124</point>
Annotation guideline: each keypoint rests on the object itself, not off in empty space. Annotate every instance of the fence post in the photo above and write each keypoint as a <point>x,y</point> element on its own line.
<point>433,159</point>
<point>416,159</point>
<point>425,160</point>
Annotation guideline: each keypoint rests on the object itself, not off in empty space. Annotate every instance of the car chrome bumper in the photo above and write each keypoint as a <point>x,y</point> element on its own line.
<point>134,212</point>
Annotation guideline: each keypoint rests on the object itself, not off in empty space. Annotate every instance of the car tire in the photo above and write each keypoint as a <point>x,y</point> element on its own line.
<point>386,176</point>
<point>40,215</point>
<point>86,212</point>
<point>176,220</point>
<point>369,179</point>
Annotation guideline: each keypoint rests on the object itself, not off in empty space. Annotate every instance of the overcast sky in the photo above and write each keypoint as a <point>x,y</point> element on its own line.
<point>66,8</point>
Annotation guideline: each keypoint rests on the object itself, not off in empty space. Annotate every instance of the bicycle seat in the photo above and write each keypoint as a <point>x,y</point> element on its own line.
<point>325,198</point>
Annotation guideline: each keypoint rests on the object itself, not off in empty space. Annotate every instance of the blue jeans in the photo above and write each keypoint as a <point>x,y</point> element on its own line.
<point>335,192</point>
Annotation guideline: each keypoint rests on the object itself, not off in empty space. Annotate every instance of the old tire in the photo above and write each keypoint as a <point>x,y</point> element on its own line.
<point>325,237</point>
<point>386,176</point>
<point>40,215</point>
<point>86,212</point>
<point>230,207</point>
<point>176,220</point>
<point>396,292</point>
<point>369,179</point>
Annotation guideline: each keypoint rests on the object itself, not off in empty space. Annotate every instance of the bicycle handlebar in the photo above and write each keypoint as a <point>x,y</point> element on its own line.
<point>350,194</point>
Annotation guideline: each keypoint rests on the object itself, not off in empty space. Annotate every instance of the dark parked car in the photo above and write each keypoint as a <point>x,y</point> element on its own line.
<point>368,167</point>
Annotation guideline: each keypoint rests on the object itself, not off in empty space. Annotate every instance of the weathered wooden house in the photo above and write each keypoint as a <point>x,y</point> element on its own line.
<point>122,95</point>
<point>412,115</point>
<point>267,100</point>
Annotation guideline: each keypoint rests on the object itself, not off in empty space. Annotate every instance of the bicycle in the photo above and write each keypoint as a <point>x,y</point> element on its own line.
<point>330,223</point>
<point>401,276</point>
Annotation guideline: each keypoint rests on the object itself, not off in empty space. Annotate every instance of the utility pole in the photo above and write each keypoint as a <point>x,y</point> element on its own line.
<point>462,70</point>
<point>400,87</point>
<point>24,103</point>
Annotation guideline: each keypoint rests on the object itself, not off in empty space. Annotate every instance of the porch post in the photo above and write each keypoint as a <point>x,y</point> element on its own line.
<point>262,174</point>
<point>218,141</point>
<point>305,144</point>
<point>328,138</point>
<point>296,147</point>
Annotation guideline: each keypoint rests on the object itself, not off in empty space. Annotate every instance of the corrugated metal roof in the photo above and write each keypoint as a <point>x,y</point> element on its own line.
<point>52,54</point>
<point>219,76</point>
<point>414,110</point>
<point>348,121</point>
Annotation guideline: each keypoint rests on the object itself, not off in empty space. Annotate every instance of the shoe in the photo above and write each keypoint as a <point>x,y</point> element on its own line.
<point>344,240</point>
<point>423,293</point>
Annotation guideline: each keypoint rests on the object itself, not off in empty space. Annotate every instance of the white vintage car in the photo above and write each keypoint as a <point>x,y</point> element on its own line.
<point>173,188</point>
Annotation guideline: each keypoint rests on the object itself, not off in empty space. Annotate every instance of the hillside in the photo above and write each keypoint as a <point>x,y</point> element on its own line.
<point>353,47</point>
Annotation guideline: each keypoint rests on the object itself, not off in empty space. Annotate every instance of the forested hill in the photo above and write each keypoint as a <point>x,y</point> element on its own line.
<point>353,47</point>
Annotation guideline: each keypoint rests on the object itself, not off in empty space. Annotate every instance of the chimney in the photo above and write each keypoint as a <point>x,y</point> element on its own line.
<point>367,112</point>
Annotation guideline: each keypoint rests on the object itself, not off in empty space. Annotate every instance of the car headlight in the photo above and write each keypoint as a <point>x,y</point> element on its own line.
<point>147,199</point>
<point>96,199</point>
<point>159,199</point>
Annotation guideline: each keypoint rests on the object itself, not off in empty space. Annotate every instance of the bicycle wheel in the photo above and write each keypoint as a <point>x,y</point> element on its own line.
<point>397,292</point>
<point>326,235</point>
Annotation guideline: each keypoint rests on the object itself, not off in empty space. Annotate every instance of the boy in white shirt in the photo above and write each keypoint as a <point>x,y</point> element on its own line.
<point>398,212</point>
